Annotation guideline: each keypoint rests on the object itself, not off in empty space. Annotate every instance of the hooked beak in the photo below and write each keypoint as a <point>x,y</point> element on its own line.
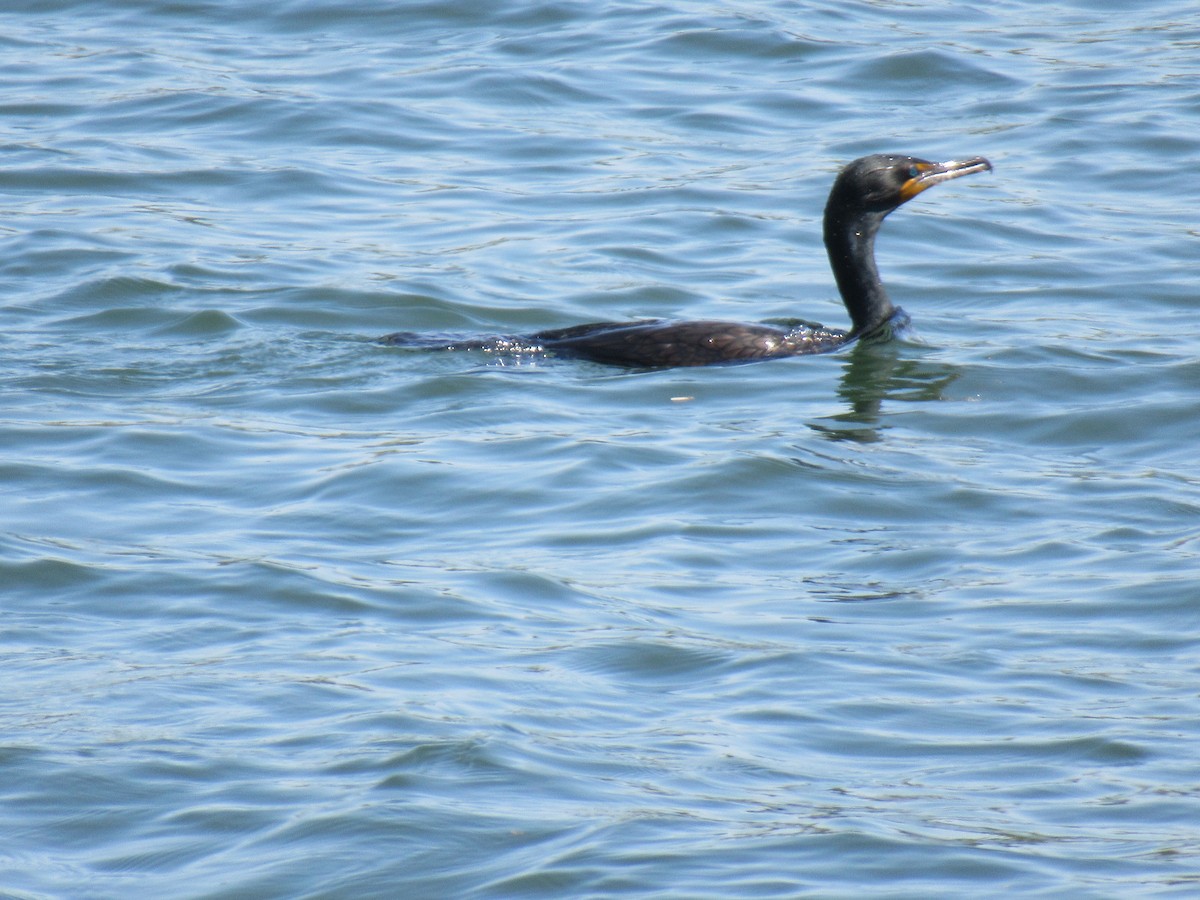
<point>929,174</point>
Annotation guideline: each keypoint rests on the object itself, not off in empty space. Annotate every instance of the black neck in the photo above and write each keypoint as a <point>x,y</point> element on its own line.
<point>850,242</point>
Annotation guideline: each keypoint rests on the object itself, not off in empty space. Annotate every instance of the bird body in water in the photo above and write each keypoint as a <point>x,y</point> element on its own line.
<point>863,194</point>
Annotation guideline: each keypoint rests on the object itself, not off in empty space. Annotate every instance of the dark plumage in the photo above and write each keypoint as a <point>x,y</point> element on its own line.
<point>863,193</point>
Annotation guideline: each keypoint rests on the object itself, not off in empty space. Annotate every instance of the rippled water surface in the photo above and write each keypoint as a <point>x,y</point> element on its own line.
<point>288,613</point>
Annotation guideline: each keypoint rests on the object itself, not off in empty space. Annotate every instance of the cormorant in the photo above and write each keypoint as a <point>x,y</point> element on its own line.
<point>863,193</point>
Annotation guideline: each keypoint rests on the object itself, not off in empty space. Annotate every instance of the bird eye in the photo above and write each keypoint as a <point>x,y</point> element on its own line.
<point>913,172</point>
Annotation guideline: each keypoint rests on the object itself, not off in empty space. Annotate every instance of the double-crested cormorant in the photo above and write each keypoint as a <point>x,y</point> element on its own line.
<point>864,192</point>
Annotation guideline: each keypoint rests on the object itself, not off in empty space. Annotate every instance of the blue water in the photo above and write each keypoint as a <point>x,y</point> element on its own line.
<point>287,613</point>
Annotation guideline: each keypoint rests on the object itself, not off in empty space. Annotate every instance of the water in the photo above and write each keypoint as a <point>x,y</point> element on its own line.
<point>290,614</point>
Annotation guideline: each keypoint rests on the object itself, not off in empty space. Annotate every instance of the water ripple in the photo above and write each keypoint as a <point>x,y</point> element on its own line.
<point>290,613</point>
